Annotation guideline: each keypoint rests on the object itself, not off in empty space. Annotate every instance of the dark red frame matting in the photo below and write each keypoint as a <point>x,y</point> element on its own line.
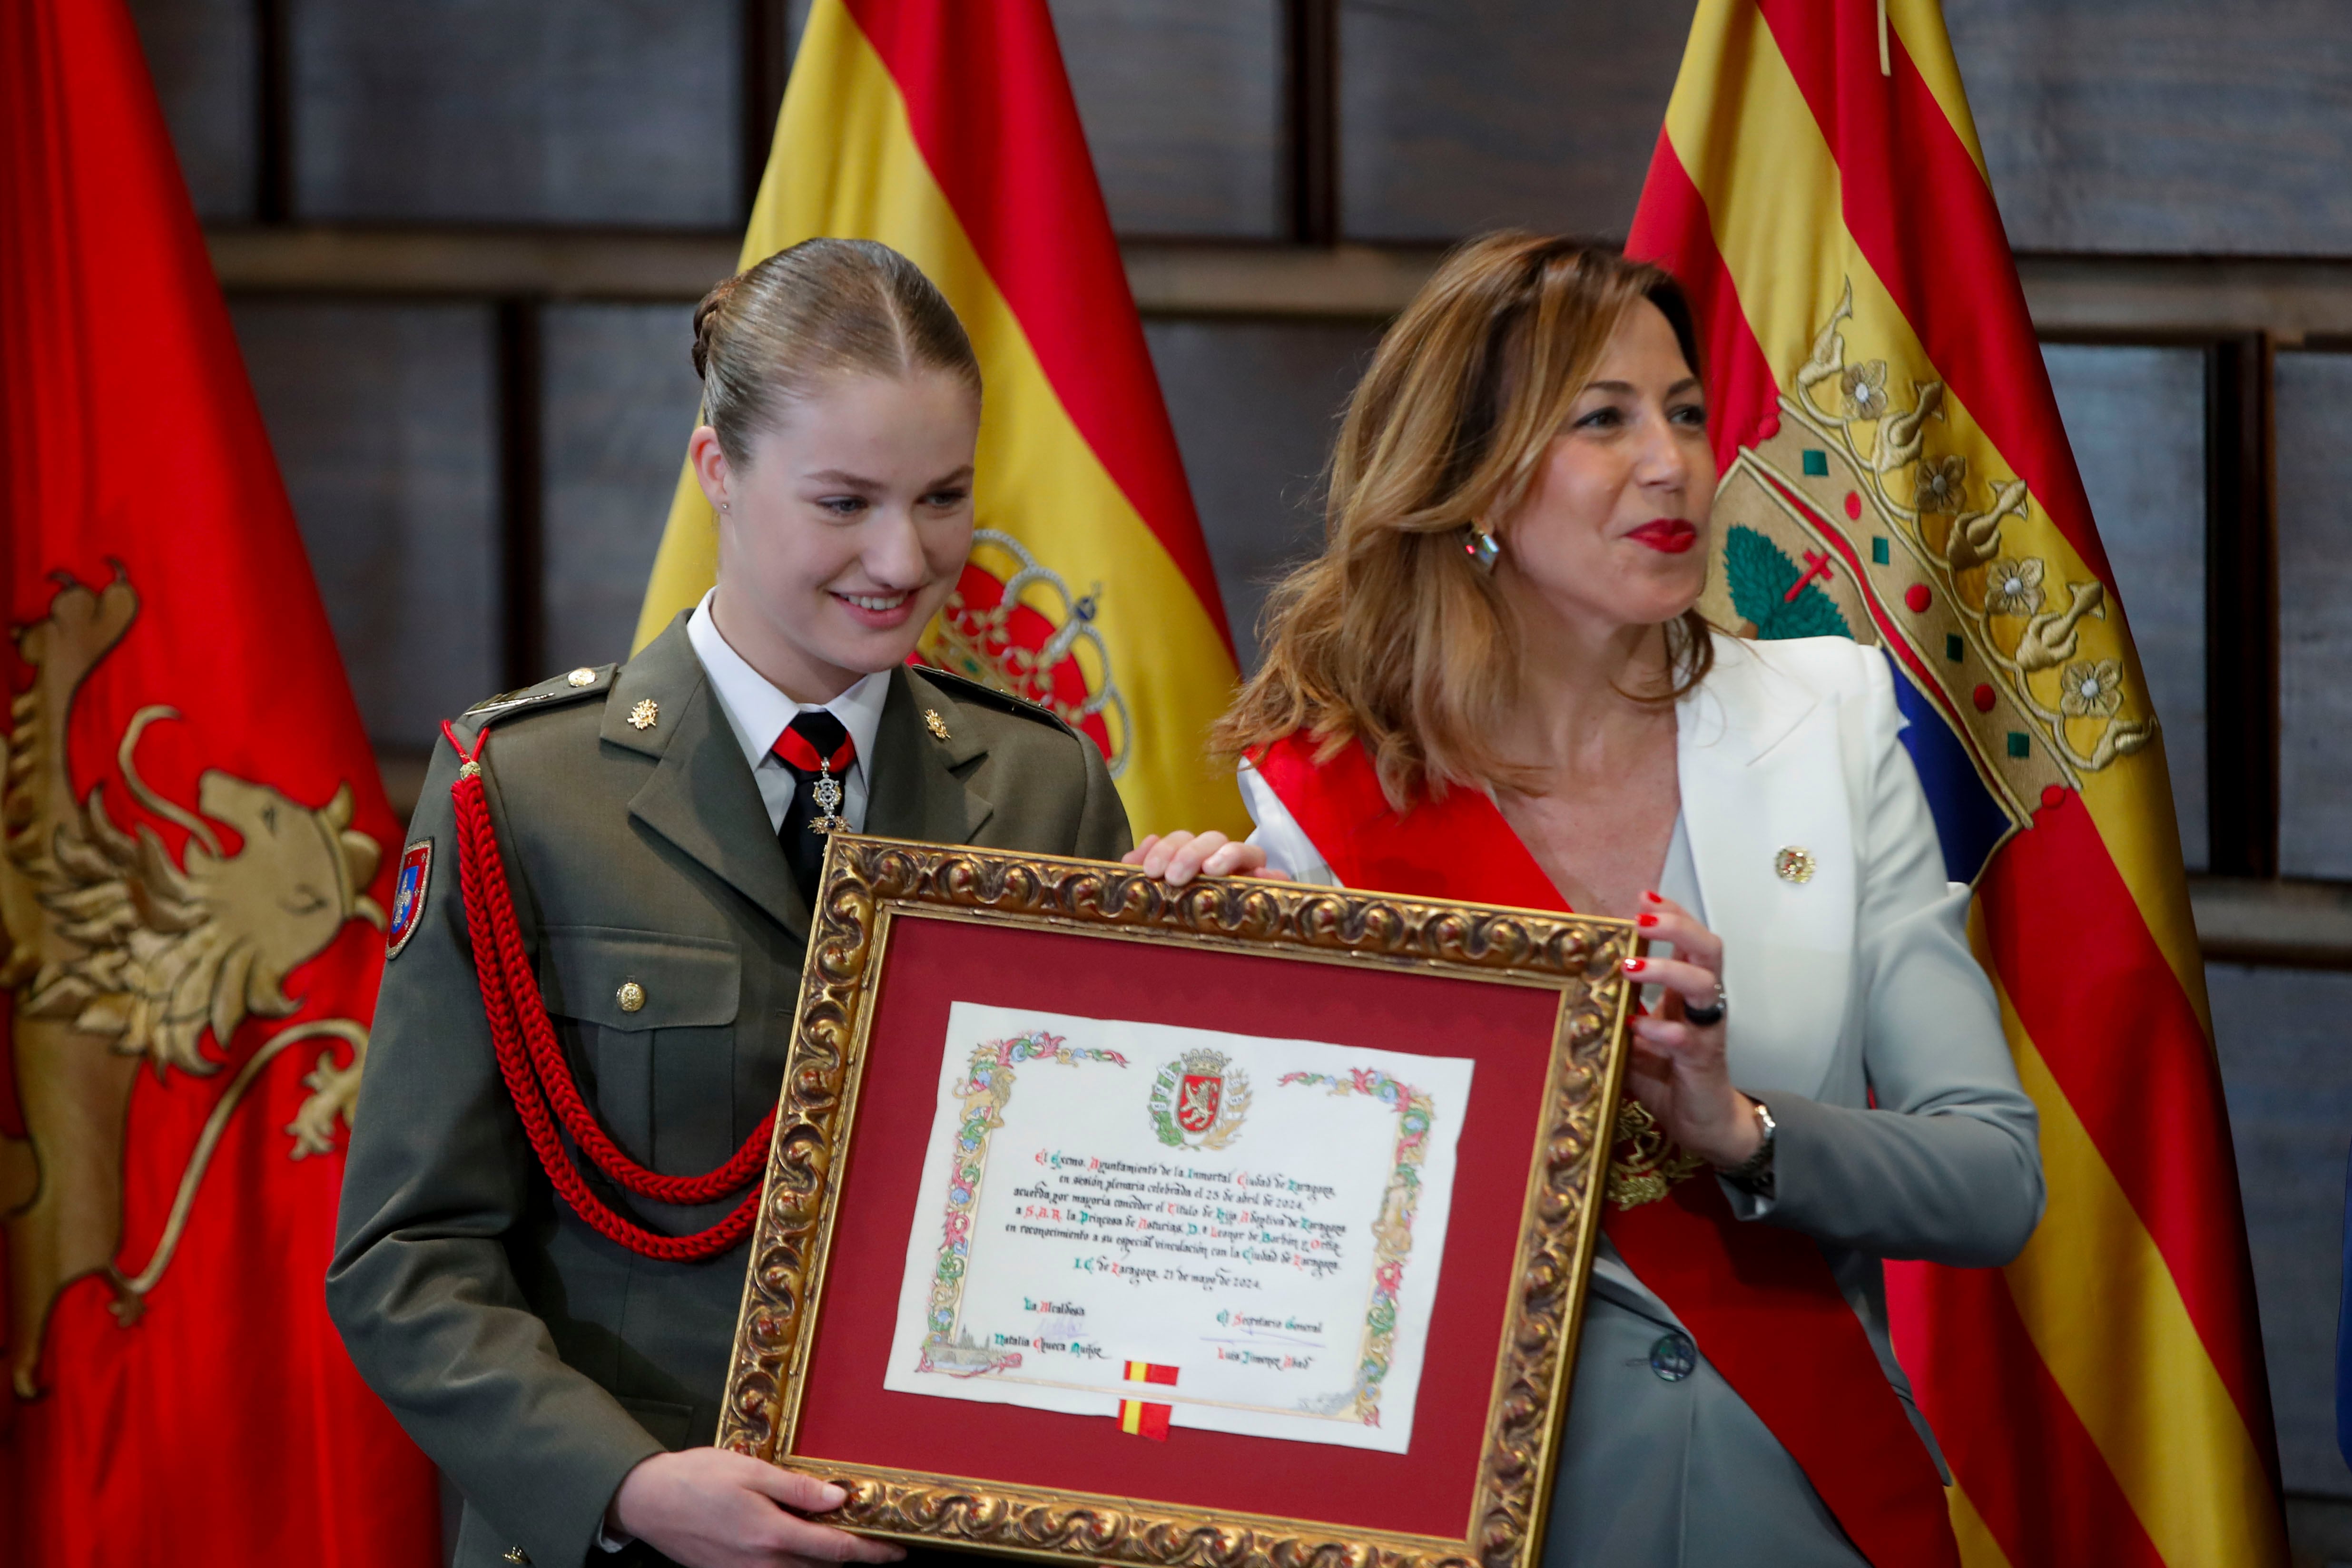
<point>930,963</point>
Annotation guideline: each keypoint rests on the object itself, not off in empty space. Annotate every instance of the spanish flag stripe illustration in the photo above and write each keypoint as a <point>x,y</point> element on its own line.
<point>948,132</point>
<point>1139,1418</point>
<point>1881,393</point>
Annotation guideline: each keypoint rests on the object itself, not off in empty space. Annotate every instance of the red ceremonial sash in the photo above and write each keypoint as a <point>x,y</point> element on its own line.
<point>1760,1299</point>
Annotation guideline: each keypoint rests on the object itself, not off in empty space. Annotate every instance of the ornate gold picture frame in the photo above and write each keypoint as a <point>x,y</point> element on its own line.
<point>882,896</point>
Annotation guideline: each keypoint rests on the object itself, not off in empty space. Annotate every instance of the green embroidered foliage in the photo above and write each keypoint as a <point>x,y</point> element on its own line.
<point>1163,1110</point>
<point>1760,576</point>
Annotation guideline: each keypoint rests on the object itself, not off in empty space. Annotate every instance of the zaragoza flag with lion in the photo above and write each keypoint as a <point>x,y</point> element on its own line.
<point>1894,470</point>
<point>191,882</point>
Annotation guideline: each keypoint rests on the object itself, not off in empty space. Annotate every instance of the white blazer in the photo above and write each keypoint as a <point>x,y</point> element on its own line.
<point>1856,976</point>
<point>1854,985</point>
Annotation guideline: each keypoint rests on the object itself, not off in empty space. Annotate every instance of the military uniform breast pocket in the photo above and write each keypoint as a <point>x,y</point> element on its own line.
<point>652,1016</point>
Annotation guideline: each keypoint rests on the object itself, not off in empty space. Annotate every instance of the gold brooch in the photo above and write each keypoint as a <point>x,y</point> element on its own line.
<point>582,677</point>
<point>644,713</point>
<point>1794,863</point>
<point>934,723</point>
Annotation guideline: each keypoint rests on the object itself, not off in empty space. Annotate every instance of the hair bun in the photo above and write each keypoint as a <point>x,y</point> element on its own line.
<point>705,317</point>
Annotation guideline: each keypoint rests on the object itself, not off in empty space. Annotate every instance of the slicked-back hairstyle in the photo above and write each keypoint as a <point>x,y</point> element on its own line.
<point>822,306</point>
<point>1392,636</point>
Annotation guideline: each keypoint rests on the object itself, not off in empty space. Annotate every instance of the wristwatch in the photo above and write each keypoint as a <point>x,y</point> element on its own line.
<point>1754,1174</point>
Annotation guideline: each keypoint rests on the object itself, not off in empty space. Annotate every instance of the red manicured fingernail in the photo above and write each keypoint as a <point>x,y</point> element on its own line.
<point>1636,965</point>
<point>1653,897</point>
<point>1645,920</point>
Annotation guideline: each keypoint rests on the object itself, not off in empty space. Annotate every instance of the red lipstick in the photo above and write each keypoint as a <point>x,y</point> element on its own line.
<point>1667,536</point>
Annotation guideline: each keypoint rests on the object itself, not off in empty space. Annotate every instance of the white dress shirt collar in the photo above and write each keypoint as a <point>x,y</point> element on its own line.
<point>759,713</point>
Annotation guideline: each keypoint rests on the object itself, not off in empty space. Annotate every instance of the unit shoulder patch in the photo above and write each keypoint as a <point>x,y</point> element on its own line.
<point>408,895</point>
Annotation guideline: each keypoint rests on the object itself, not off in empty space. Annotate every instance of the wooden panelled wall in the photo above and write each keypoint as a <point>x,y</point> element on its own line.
<point>461,243</point>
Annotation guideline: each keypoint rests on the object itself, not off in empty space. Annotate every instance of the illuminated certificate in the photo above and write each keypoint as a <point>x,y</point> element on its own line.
<point>1245,1231</point>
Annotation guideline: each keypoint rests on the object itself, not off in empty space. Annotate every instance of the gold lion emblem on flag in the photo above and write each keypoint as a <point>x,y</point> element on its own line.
<point>119,954</point>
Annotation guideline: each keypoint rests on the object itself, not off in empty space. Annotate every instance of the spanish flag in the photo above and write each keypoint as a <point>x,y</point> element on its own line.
<point>946,130</point>
<point>1142,1418</point>
<point>1894,469</point>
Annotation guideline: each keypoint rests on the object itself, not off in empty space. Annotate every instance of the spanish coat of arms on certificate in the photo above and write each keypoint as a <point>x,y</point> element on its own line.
<point>1245,1231</point>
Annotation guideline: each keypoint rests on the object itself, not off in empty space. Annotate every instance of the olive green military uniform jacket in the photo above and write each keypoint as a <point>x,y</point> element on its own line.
<point>535,1361</point>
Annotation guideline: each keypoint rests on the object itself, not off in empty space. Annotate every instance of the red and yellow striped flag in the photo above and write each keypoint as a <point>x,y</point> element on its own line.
<point>1140,1418</point>
<point>946,130</point>
<point>1893,468</point>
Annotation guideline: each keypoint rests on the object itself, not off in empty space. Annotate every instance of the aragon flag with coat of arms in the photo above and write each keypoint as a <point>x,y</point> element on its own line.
<point>191,875</point>
<point>1894,470</point>
<point>946,130</point>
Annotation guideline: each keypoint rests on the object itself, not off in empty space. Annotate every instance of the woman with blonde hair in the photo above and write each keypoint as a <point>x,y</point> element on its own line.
<point>1494,684</point>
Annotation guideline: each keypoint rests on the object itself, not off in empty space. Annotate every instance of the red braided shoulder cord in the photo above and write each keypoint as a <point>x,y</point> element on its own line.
<point>531,1058</point>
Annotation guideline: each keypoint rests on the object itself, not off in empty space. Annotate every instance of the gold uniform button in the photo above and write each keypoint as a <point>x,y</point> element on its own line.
<point>582,677</point>
<point>1794,863</point>
<point>631,996</point>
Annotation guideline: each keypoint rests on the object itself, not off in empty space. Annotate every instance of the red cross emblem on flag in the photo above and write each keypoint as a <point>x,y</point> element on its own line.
<point>1197,1101</point>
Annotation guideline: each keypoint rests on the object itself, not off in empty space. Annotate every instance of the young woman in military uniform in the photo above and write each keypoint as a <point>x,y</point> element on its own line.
<point>557,1345</point>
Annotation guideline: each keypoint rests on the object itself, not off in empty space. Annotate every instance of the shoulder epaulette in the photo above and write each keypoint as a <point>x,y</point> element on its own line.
<point>585,681</point>
<point>965,689</point>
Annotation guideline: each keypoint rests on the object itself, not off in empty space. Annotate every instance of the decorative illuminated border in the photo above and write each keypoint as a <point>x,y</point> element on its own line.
<point>986,1088</point>
<point>1392,1231</point>
<point>867,881</point>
